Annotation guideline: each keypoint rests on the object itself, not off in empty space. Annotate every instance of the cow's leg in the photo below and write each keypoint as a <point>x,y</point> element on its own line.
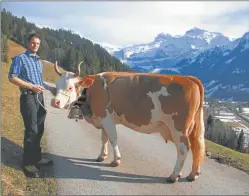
<point>182,151</point>
<point>104,149</point>
<point>111,131</point>
<point>175,137</point>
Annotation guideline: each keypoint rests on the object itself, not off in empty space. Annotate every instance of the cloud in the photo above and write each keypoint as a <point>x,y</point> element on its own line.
<point>125,23</point>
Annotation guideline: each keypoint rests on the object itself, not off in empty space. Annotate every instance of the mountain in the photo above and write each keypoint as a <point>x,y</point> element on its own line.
<point>221,63</point>
<point>224,70</point>
<point>166,50</point>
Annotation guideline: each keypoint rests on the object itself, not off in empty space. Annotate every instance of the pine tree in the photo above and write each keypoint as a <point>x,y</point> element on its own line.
<point>210,121</point>
<point>241,141</point>
<point>233,140</point>
<point>4,49</point>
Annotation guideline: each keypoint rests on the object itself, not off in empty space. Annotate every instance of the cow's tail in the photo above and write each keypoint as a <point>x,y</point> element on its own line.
<point>197,139</point>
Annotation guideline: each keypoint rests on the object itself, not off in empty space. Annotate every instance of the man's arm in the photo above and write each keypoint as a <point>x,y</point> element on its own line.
<point>14,72</point>
<point>19,82</point>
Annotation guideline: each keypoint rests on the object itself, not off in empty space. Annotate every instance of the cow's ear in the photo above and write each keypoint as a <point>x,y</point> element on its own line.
<point>87,81</point>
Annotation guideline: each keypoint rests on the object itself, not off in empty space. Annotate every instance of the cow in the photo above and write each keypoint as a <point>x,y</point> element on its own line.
<point>171,105</point>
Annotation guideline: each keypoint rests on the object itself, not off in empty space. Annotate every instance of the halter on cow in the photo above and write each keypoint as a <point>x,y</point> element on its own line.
<point>148,103</point>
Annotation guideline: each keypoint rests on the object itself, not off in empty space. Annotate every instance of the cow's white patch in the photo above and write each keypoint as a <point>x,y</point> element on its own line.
<point>157,105</point>
<point>104,79</point>
<point>181,156</point>
<point>111,131</point>
<point>104,149</point>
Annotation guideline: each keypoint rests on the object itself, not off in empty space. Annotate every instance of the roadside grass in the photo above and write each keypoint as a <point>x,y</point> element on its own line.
<point>233,124</point>
<point>13,180</point>
<point>228,156</point>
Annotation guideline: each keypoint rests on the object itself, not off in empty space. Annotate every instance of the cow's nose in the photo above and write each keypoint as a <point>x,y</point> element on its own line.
<point>55,102</point>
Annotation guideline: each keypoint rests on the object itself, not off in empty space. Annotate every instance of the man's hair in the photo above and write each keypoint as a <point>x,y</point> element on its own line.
<point>31,35</point>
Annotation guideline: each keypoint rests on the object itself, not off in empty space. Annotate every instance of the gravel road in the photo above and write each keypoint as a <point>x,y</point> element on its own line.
<point>146,162</point>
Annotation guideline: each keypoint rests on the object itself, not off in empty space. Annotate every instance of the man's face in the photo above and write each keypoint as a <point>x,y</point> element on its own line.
<point>34,44</point>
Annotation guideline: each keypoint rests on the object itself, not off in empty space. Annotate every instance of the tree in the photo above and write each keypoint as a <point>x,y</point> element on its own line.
<point>241,141</point>
<point>232,140</point>
<point>210,121</point>
<point>219,138</point>
<point>240,109</point>
<point>225,140</point>
<point>4,48</point>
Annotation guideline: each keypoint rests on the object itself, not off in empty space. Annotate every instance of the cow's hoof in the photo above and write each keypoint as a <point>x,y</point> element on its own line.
<point>115,163</point>
<point>173,179</point>
<point>192,177</point>
<point>101,158</point>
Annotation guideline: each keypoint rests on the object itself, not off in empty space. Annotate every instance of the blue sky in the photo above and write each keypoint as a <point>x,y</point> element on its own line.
<point>127,23</point>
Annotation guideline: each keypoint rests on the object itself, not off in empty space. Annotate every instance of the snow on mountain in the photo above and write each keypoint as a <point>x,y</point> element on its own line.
<point>220,62</point>
<point>166,50</point>
<point>109,47</point>
<point>245,42</point>
<point>223,76</point>
<point>211,38</point>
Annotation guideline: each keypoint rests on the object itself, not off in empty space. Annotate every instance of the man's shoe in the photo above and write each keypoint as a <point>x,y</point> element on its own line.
<point>31,171</point>
<point>44,161</point>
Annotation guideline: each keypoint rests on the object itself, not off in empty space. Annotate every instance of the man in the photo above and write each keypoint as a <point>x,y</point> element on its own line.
<point>26,72</point>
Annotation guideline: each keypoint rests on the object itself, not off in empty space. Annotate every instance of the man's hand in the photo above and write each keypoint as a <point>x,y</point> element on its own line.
<point>37,88</point>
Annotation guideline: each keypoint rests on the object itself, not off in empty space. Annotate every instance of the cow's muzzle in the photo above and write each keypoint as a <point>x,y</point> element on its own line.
<point>55,103</point>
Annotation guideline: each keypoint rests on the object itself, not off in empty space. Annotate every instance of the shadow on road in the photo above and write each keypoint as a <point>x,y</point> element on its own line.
<point>75,168</point>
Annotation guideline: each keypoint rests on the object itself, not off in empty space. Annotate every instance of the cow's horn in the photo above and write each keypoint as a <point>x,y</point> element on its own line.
<point>78,69</point>
<point>56,68</point>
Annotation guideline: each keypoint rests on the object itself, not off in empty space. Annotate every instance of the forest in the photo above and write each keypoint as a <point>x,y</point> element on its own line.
<point>62,45</point>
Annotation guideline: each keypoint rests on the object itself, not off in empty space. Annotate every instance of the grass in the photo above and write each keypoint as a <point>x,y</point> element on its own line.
<point>228,156</point>
<point>233,124</point>
<point>13,181</point>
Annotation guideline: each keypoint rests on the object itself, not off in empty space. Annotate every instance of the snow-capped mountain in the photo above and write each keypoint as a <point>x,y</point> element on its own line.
<point>221,63</point>
<point>224,70</point>
<point>167,50</point>
<point>109,47</point>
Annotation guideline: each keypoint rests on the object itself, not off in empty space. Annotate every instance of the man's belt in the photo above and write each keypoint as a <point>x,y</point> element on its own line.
<point>28,92</point>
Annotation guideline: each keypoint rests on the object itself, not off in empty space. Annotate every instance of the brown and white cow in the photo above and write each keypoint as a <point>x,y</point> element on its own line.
<point>171,105</point>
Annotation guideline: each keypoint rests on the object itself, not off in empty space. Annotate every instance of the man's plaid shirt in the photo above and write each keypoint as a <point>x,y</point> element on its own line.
<point>28,67</point>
